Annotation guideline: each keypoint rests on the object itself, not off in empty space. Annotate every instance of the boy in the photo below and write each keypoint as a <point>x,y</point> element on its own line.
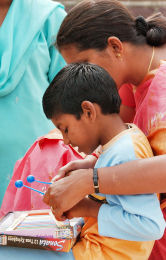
<point>83,102</point>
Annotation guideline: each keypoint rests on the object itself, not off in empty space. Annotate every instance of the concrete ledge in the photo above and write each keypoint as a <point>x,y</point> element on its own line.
<point>133,3</point>
<point>145,3</point>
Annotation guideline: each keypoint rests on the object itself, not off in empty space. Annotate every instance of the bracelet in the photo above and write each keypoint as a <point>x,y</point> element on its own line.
<point>95,155</point>
<point>95,180</point>
<point>103,200</point>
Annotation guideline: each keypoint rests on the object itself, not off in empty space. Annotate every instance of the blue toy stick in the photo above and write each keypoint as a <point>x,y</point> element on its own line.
<point>19,184</point>
<point>31,179</point>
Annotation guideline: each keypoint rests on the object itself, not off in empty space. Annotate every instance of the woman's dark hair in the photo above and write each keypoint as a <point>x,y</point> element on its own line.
<point>76,83</point>
<point>90,23</point>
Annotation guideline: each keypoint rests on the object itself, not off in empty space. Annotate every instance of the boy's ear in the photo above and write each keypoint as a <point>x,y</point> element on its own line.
<point>89,110</point>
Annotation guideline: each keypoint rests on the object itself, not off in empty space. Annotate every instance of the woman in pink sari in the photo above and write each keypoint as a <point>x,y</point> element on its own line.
<point>133,51</point>
<point>151,118</point>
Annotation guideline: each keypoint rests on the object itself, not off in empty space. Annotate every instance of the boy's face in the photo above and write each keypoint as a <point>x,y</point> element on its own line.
<point>81,133</point>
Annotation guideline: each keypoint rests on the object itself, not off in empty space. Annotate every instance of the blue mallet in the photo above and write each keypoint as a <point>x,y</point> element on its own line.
<point>31,179</point>
<point>19,184</point>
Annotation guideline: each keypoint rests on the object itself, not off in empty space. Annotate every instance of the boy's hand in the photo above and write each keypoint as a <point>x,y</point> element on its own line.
<point>86,163</point>
<point>85,208</point>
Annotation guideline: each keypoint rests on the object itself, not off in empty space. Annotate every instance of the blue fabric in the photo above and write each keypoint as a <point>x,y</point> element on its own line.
<point>28,63</point>
<point>134,217</point>
<point>33,254</point>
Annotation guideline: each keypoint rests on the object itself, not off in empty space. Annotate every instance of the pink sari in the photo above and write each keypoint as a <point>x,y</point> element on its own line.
<point>151,109</point>
<point>42,160</point>
<point>150,117</point>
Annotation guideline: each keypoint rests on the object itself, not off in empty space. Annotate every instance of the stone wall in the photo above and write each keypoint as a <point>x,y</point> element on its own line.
<point>138,7</point>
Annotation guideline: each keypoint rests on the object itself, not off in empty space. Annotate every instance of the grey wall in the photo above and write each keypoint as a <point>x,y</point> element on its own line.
<point>138,7</point>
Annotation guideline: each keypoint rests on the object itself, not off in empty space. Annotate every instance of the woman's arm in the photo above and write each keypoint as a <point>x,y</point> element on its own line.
<point>135,177</point>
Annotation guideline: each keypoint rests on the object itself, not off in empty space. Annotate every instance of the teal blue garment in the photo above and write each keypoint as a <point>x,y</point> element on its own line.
<point>28,63</point>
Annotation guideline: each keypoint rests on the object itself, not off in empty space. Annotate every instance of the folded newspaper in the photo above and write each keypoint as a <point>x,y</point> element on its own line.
<point>39,229</point>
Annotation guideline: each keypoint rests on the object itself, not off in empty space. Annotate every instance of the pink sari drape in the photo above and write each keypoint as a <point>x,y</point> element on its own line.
<point>150,117</point>
<point>42,160</point>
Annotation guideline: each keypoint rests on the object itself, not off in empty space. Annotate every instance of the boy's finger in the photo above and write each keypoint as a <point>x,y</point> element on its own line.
<point>46,198</point>
<point>65,169</point>
<point>58,177</point>
<point>58,215</point>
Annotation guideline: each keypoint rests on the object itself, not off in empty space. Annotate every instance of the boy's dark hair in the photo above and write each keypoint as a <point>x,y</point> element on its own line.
<point>76,83</point>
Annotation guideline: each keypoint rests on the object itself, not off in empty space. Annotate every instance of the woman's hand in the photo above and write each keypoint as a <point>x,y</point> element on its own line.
<point>67,192</point>
<point>86,163</point>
